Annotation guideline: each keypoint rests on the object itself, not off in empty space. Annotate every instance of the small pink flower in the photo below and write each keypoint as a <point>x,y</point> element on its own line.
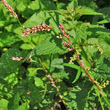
<point>85,68</point>
<point>21,58</point>
<point>81,61</point>
<point>18,59</point>
<point>53,85</point>
<point>64,42</point>
<point>77,56</point>
<point>49,76</point>
<point>68,36</point>
<point>53,82</point>
<point>83,65</point>
<point>70,49</point>
<point>13,58</point>
<point>67,45</point>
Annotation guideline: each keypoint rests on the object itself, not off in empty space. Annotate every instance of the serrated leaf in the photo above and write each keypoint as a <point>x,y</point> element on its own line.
<point>26,46</point>
<point>35,92</point>
<point>50,46</point>
<point>87,11</point>
<point>73,5</point>
<point>104,42</point>
<point>37,38</point>
<point>35,19</point>
<point>102,69</point>
<point>6,39</point>
<point>106,14</point>
<point>7,64</point>
<point>79,95</point>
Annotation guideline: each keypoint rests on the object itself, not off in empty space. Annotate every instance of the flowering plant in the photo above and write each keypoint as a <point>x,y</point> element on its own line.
<point>54,55</point>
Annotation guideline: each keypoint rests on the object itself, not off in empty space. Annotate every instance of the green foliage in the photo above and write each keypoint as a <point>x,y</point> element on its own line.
<point>49,46</point>
<point>45,75</point>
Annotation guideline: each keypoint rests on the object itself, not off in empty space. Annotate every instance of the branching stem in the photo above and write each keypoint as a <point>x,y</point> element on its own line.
<point>57,89</point>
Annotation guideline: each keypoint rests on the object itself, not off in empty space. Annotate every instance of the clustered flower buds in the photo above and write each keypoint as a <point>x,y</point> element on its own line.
<point>66,43</point>
<point>12,13</point>
<point>34,29</point>
<point>81,63</point>
<point>51,79</point>
<point>20,58</point>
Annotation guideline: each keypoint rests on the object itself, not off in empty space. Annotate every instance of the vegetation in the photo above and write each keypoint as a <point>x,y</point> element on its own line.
<point>54,55</point>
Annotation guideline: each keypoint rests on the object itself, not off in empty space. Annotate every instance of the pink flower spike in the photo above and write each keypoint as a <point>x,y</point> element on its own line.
<point>67,45</point>
<point>64,42</point>
<point>83,65</point>
<point>60,25</point>
<point>70,49</point>
<point>68,36</point>
<point>53,82</point>
<point>13,58</point>
<point>85,68</point>
<point>81,61</point>
<point>18,59</point>
<point>44,25</point>
<point>51,79</point>
<point>9,8</point>
<point>64,32</point>
<point>49,76</point>
<point>53,85</point>
<point>77,56</point>
<point>28,30</point>
<point>21,58</point>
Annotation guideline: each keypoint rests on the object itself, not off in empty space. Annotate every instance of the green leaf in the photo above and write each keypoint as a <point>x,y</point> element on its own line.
<point>47,5</point>
<point>35,5</point>
<point>35,19</point>
<point>72,65</point>
<point>7,64</point>
<point>6,39</point>
<point>50,46</point>
<point>26,46</point>
<point>73,5</point>
<point>32,71</point>
<point>87,11</point>
<point>14,102</point>
<point>104,42</point>
<point>36,94</point>
<point>104,21</point>
<point>102,69</point>
<point>24,106</point>
<point>57,63</point>
<point>79,96</point>
<point>21,6</point>
<point>37,38</point>
<point>106,14</point>
<point>3,104</point>
<point>38,82</point>
<point>75,67</point>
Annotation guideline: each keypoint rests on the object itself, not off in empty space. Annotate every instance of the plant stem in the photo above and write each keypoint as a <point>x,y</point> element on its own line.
<point>93,81</point>
<point>87,57</point>
<point>57,89</point>
<point>19,22</point>
<point>101,103</point>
